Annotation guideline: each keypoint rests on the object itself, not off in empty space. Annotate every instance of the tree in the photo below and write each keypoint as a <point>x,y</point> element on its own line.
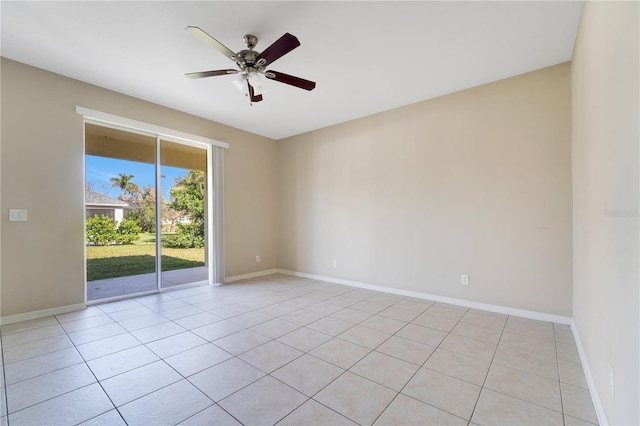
<point>187,196</point>
<point>126,187</point>
<point>145,214</point>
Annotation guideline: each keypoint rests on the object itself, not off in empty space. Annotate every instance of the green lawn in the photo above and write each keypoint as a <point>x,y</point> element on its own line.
<point>137,258</point>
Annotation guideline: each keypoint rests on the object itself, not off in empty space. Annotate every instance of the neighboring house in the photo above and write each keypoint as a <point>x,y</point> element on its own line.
<point>96,204</point>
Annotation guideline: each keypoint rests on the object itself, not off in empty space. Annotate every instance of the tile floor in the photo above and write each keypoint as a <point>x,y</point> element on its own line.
<point>289,351</point>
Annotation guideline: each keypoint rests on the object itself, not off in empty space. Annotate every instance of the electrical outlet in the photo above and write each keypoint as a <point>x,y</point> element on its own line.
<point>612,380</point>
<point>334,263</point>
<point>258,259</point>
<point>464,279</point>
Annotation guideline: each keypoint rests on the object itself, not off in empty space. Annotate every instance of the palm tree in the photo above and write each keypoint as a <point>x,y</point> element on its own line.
<point>124,183</point>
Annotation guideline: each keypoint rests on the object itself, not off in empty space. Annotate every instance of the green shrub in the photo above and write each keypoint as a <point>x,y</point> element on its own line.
<point>101,230</point>
<point>127,232</point>
<point>188,236</point>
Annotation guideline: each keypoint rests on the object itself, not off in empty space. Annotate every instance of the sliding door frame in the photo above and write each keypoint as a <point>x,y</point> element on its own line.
<point>162,134</point>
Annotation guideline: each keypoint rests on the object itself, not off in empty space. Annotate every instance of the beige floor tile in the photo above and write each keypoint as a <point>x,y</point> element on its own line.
<point>408,411</point>
<point>197,359</point>
<point>225,378</point>
<point>275,328</point>
<point>330,326</point>
<point>497,409</point>
<point>308,374</point>
<point>83,313</point>
<point>110,418</point>
<point>384,324</point>
<point>213,415</point>
<point>572,421</point>
<point>527,361</point>
<point>69,408</point>
<point>444,392</point>
<point>325,308</point>
<point>85,323</point>
<point>32,349</point>
<point>198,320</point>
<point>577,403</point>
<point>175,344</point>
<point>369,307</point>
<point>490,335</point>
<point>528,387</point>
<point>121,362</point>
<point>522,342</point>
<point>217,330</point>
<point>180,312</point>
<point>543,330</point>
<point>385,370</point>
<point>565,336</point>
<point>107,346</point>
<point>166,406</point>
<point>406,350</point>
<point>120,305</point>
<point>156,332</point>
<point>31,335</point>
<point>136,383</point>
<point>302,317</point>
<point>241,341</point>
<point>42,364</point>
<point>340,353</point>
<point>536,370</point>
<point>436,322</point>
<point>41,388</point>
<point>421,334</point>
<point>399,314</point>
<point>143,322</point>
<point>443,312</point>
<point>266,401</point>
<point>359,399</point>
<point>572,373</point>
<point>497,322</point>
<point>251,319</point>
<point>270,356</point>
<point>472,370</point>
<point>312,413</point>
<point>351,315</point>
<point>568,352</point>
<point>304,339</point>
<point>413,305</point>
<point>363,336</point>
<point>278,309</point>
<point>468,346</point>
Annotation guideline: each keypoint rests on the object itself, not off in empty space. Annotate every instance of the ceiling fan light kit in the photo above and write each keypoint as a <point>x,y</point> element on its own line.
<point>252,65</point>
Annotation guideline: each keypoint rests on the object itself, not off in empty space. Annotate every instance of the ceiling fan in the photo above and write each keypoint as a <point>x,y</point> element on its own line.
<point>252,64</point>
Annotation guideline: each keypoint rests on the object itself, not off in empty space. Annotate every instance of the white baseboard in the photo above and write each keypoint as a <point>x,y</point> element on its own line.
<point>595,397</point>
<point>250,275</point>
<point>10,319</point>
<point>540,316</point>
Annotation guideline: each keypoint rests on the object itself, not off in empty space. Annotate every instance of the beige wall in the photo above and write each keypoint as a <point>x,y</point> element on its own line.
<point>605,178</point>
<point>477,182</point>
<point>41,166</point>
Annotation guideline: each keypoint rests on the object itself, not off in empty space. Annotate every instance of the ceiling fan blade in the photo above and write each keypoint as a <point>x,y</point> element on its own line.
<point>252,94</point>
<point>279,48</point>
<point>210,73</point>
<point>198,33</point>
<point>291,80</point>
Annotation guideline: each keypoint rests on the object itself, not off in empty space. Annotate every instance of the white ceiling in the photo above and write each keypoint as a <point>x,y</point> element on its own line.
<point>366,57</point>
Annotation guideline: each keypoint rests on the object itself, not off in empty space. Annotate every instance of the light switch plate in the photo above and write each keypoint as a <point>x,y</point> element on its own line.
<point>17,215</point>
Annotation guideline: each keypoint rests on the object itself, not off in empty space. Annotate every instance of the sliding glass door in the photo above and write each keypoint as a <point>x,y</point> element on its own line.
<point>146,212</point>
<point>183,216</point>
